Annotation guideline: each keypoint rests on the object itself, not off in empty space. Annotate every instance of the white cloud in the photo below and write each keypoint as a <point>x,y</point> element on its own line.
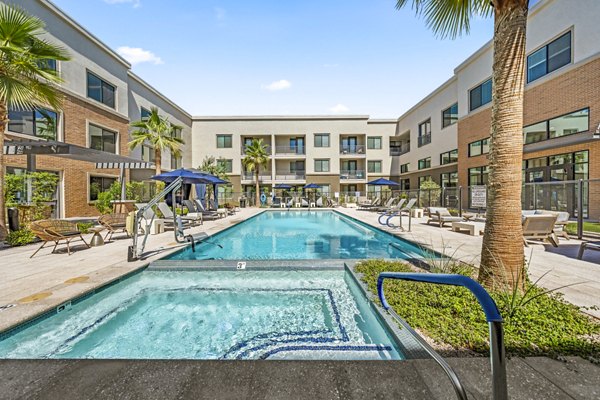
<point>137,55</point>
<point>339,108</point>
<point>134,3</point>
<point>278,85</point>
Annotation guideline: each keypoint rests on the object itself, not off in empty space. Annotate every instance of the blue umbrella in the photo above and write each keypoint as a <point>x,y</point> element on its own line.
<point>311,186</point>
<point>188,176</point>
<point>282,186</point>
<point>383,182</point>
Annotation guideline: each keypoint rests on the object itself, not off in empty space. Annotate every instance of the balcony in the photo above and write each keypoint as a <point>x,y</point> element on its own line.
<point>425,139</point>
<point>263,176</point>
<point>290,150</point>
<point>398,150</point>
<point>352,175</point>
<point>352,149</point>
<point>290,176</point>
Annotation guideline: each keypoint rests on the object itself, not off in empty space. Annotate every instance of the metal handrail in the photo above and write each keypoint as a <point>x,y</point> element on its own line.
<point>493,317</point>
<point>134,252</point>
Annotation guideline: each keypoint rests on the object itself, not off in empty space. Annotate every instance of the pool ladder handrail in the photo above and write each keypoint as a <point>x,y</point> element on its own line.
<point>493,317</point>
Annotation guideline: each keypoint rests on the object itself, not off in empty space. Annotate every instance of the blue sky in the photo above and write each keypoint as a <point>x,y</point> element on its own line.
<point>240,57</point>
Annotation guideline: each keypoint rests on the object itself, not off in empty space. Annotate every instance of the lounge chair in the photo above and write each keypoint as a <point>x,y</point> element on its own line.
<point>375,203</point>
<point>587,246</point>
<point>441,216</point>
<point>276,202</point>
<point>363,201</point>
<point>290,203</point>
<point>388,204</point>
<point>190,218</point>
<point>56,230</point>
<point>113,223</point>
<point>319,202</point>
<point>207,215</point>
<point>562,221</point>
<point>304,203</point>
<point>540,227</point>
<point>332,203</point>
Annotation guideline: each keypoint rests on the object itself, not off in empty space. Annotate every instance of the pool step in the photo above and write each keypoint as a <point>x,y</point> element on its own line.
<point>257,265</point>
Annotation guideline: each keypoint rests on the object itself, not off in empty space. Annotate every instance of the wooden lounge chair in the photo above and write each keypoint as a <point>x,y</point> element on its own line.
<point>587,246</point>
<point>441,216</point>
<point>56,230</point>
<point>540,227</point>
<point>113,223</point>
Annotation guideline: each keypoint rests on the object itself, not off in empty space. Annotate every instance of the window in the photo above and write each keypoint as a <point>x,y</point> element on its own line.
<point>99,184</point>
<point>564,125</point>
<point>374,142</point>
<point>549,58</point>
<point>479,147</point>
<point>374,166</point>
<point>321,165</point>
<point>480,95</point>
<point>321,139</point>
<point>478,176</point>
<point>227,165</point>
<point>100,90</point>
<point>224,141</point>
<point>38,122</point>
<point>297,166</point>
<point>148,154</point>
<point>176,131</point>
<point>425,163</point>
<point>425,133</point>
<point>404,184</point>
<point>450,115</point>
<point>175,162</point>
<point>145,113</point>
<point>47,64</point>
<point>423,179</point>
<point>404,168</point>
<point>449,179</point>
<point>449,157</point>
<point>102,139</point>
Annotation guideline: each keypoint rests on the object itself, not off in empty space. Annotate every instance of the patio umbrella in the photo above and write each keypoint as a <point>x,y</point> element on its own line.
<point>282,186</point>
<point>189,176</point>
<point>383,182</point>
<point>311,186</point>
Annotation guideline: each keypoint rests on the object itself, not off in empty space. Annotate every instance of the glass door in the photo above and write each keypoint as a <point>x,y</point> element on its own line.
<point>300,145</point>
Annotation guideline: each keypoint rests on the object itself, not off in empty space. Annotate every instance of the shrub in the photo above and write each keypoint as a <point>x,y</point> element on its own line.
<point>84,226</point>
<point>20,238</point>
<point>544,325</point>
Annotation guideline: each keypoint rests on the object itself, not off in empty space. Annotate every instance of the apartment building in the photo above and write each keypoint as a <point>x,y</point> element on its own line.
<point>101,97</point>
<point>445,136</point>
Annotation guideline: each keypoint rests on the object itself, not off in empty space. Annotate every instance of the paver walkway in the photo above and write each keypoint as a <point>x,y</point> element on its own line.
<point>35,285</point>
<point>560,265</point>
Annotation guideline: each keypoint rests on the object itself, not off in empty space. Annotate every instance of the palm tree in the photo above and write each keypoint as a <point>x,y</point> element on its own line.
<point>502,251</point>
<point>26,79</point>
<point>214,167</point>
<point>256,157</point>
<point>159,133</point>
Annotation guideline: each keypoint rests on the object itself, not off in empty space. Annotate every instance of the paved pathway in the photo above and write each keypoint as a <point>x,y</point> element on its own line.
<point>560,264</point>
<point>38,284</point>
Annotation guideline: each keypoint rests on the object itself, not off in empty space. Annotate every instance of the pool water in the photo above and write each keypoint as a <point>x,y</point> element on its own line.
<point>301,235</point>
<point>214,315</point>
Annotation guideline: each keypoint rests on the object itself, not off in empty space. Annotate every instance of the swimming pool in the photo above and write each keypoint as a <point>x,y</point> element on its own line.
<point>247,314</point>
<point>301,235</point>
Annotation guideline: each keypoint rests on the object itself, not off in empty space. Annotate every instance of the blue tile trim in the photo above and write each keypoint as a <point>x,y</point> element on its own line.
<point>375,347</point>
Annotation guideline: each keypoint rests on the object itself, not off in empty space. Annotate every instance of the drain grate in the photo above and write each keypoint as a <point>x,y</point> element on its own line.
<point>7,306</point>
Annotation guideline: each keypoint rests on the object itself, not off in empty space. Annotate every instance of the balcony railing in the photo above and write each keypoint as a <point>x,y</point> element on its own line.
<point>290,150</point>
<point>290,175</point>
<point>251,176</point>
<point>400,149</point>
<point>352,149</point>
<point>352,174</point>
<point>425,139</point>
<point>243,150</point>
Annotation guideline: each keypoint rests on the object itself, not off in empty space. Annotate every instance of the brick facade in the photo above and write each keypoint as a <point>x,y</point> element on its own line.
<point>75,116</point>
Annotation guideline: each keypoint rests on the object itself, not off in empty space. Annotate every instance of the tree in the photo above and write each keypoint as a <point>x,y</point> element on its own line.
<point>256,156</point>
<point>214,167</point>
<point>159,133</point>
<point>26,78</point>
<point>502,250</point>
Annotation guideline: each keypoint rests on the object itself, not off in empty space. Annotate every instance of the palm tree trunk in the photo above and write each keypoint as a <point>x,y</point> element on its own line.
<point>257,195</point>
<point>3,122</point>
<point>502,257</point>
<point>157,167</point>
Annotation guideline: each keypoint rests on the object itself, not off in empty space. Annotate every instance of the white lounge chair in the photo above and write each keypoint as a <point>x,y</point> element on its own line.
<point>319,202</point>
<point>540,227</point>
<point>441,216</point>
<point>190,218</point>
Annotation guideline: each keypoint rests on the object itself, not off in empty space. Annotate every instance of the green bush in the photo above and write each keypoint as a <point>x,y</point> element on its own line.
<point>543,325</point>
<point>84,226</point>
<point>20,238</point>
